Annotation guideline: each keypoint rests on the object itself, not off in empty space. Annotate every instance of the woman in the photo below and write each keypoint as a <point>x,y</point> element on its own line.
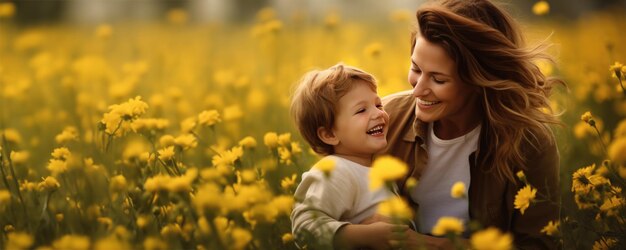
<point>478,113</point>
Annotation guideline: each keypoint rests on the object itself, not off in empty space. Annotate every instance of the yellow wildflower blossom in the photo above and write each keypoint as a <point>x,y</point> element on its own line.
<point>270,139</point>
<point>232,113</point>
<point>284,139</point>
<point>241,238</point>
<point>20,157</point>
<point>521,176</point>
<point>285,155</point>
<point>186,141</point>
<point>580,179</point>
<point>188,124</point>
<point>395,207</point>
<point>12,136</point>
<point>612,205</point>
<point>166,154</point>
<point>209,118</point>
<point>157,183</point>
<point>7,9</point>
<point>171,230</point>
<point>74,242</point>
<point>208,197</point>
<point>295,148</point>
<point>448,225</point>
<point>17,241</point>
<point>248,142</point>
<point>167,140</point>
<point>57,167</point>
<point>288,182</point>
<point>149,125</point>
<point>524,197</point>
<point>326,165</point>
<point>49,183</point>
<point>287,238</point>
<point>541,8</point>
<point>616,69</point>
<point>604,244</point>
<point>118,183</point>
<point>551,229</point>
<point>5,196</point>
<point>491,239</point>
<point>68,134</point>
<point>373,50</point>
<point>586,117</point>
<point>458,190</point>
<point>61,153</point>
<point>154,243</point>
<point>385,169</point>
<point>283,204</point>
<point>617,150</point>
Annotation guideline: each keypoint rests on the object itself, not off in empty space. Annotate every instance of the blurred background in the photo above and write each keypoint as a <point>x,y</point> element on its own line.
<point>100,98</point>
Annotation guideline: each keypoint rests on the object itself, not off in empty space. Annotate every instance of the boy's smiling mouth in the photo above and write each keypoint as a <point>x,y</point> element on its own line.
<point>376,130</point>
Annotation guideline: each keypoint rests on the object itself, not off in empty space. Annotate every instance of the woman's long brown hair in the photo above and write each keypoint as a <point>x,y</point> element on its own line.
<point>488,47</point>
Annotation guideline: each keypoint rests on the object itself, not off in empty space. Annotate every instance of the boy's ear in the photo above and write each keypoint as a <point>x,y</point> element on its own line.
<point>327,136</point>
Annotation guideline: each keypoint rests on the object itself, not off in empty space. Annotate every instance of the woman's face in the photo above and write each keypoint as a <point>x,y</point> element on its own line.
<point>440,94</point>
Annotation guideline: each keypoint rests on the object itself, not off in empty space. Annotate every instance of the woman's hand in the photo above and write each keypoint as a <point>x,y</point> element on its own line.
<point>376,235</point>
<point>416,240</point>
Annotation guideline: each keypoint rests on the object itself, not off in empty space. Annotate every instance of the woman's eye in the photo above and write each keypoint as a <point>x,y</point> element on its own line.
<point>438,81</point>
<point>416,70</point>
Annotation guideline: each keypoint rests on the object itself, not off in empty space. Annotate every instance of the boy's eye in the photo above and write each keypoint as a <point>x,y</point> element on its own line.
<point>360,111</point>
<point>379,106</point>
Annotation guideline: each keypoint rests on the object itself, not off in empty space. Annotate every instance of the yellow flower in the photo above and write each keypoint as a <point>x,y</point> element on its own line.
<point>283,204</point>
<point>232,113</point>
<point>154,243</point>
<point>332,19</point>
<point>188,124</point>
<point>604,243</point>
<point>118,183</point>
<point>20,157</point>
<point>74,242</point>
<point>616,69</point>
<point>491,239</point>
<point>458,190</point>
<point>541,8</point>
<point>284,139</point>
<point>617,150</point>
<point>49,183</point>
<point>285,155</point>
<point>149,125</point>
<point>611,205</point>
<point>521,176</point>
<point>57,167</point>
<point>209,118</point>
<point>580,179</point>
<point>524,197</point>
<point>171,230</point>
<point>157,183</point>
<point>186,141</point>
<point>586,117</point>
<point>19,241</point>
<point>70,133</point>
<point>270,139</point>
<point>287,238</point>
<point>248,142</point>
<point>209,196</point>
<point>448,225</point>
<point>12,136</point>
<point>166,140</point>
<point>166,154</point>
<point>552,229</point>
<point>61,153</point>
<point>7,9</point>
<point>410,183</point>
<point>396,208</point>
<point>5,196</point>
<point>241,238</point>
<point>326,165</point>
<point>295,148</point>
<point>288,182</point>
<point>385,169</point>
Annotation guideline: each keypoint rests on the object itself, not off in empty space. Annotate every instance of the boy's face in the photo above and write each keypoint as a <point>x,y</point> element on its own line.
<point>361,122</point>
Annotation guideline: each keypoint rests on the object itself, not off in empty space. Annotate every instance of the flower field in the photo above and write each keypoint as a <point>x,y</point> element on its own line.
<point>172,134</point>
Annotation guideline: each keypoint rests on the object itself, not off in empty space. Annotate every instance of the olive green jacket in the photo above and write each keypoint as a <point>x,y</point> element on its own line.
<point>490,198</point>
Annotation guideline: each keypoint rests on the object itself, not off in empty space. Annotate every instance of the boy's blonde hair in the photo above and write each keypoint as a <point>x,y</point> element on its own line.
<point>314,103</point>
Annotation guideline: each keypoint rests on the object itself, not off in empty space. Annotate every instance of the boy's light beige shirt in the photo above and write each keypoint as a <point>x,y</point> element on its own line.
<point>490,199</point>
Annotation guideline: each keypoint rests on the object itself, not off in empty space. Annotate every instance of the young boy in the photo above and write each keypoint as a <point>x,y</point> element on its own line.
<point>340,115</point>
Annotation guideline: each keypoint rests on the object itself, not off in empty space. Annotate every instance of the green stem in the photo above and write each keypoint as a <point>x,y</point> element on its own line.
<point>600,138</point>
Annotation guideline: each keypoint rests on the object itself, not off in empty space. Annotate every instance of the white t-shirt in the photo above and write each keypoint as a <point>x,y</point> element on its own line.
<point>324,204</point>
<point>448,163</point>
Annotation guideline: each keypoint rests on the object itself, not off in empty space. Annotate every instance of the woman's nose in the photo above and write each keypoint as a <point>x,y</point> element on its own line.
<point>419,87</point>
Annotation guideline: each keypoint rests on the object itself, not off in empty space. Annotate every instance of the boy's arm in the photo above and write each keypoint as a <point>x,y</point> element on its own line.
<point>378,235</point>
